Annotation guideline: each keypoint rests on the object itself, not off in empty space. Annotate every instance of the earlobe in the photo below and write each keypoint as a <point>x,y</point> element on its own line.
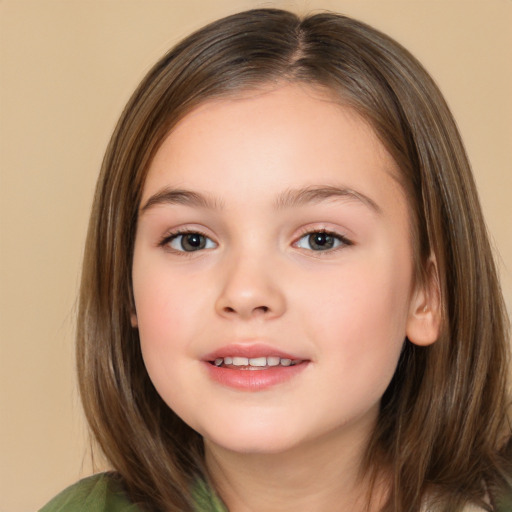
<point>133,319</point>
<point>424,320</point>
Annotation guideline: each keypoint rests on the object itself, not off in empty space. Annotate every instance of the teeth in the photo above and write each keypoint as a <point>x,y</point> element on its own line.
<point>254,361</point>
<point>258,361</point>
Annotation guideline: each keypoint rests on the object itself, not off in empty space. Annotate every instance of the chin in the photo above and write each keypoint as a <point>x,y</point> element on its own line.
<point>260,446</point>
<point>253,439</point>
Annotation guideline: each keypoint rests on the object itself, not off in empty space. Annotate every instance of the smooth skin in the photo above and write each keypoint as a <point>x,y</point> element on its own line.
<point>276,217</point>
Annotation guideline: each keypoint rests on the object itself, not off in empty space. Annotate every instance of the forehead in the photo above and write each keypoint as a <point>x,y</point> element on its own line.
<point>295,128</point>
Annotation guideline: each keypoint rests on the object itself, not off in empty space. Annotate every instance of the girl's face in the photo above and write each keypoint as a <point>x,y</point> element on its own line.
<point>272,273</point>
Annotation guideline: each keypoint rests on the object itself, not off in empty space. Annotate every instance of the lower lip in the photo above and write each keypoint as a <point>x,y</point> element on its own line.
<point>254,380</point>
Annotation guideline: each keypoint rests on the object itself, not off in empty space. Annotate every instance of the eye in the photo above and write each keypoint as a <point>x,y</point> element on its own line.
<point>189,242</point>
<point>322,241</point>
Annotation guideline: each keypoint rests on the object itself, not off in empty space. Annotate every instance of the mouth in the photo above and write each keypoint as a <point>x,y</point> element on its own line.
<point>254,363</point>
<point>253,367</point>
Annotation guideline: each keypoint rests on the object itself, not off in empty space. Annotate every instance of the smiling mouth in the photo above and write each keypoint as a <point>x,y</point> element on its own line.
<point>254,363</point>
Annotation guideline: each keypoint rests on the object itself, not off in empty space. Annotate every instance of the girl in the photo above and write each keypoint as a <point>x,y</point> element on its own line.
<point>288,298</point>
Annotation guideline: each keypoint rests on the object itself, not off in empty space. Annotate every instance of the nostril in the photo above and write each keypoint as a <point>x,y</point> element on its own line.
<point>258,309</point>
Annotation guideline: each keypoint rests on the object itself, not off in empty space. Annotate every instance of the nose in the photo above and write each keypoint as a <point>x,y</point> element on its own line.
<point>250,289</point>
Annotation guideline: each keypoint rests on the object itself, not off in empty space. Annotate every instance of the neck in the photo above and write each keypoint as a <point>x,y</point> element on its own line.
<point>309,478</point>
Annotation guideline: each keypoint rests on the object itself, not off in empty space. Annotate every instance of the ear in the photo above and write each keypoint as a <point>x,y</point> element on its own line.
<point>133,319</point>
<point>424,319</point>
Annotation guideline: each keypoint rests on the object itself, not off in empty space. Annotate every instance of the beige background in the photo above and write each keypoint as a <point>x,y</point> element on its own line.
<point>67,68</point>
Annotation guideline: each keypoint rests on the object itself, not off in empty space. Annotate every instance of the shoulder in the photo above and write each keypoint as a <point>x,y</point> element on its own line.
<point>434,505</point>
<point>205,498</point>
<point>98,493</point>
<point>470,507</point>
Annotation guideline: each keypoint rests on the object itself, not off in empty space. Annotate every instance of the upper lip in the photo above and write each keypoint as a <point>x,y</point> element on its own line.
<point>250,350</point>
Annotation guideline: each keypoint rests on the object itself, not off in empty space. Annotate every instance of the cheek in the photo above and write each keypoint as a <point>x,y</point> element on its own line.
<point>172,310</point>
<point>164,300</point>
<point>360,314</point>
<point>162,305</point>
<point>164,335</point>
<point>157,309</point>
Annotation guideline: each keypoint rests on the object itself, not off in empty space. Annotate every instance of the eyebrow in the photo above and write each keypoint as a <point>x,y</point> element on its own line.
<point>316,194</point>
<point>180,196</point>
<point>289,199</point>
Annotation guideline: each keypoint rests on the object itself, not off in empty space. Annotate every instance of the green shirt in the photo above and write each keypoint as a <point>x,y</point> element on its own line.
<point>102,493</point>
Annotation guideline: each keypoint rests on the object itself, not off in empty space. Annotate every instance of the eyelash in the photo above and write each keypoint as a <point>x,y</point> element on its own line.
<point>165,243</point>
<point>343,241</point>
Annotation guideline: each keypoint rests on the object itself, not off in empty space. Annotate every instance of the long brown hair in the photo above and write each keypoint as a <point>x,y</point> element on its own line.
<point>443,426</point>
